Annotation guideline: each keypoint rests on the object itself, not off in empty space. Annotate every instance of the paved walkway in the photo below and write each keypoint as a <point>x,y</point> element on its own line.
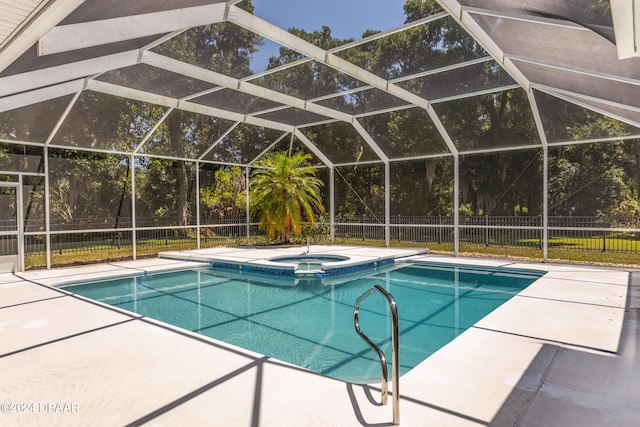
<point>564,352</point>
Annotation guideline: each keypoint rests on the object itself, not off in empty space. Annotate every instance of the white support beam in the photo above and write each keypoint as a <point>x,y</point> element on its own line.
<point>387,204</point>
<point>265,29</point>
<point>142,96</point>
<point>537,118</point>
<point>545,205</point>
<point>276,34</point>
<point>307,142</point>
<point>502,149</point>
<point>477,93</point>
<point>370,141</point>
<point>520,17</point>
<point>332,205</point>
<point>266,150</point>
<point>62,118</point>
<point>576,70</point>
<point>443,132</point>
<point>256,121</point>
<point>626,26</point>
<point>12,102</point>
<point>247,186</point>
<point>462,16</point>
<point>456,205</point>
<point>29,34</point>
<point>31,80</point>
<point>387,33</point>
<point>189,70</point>
<point>153,130</point>
<point>130,93</point>
<point>217,141</point>
<point>82,35</point>
<point>575,98</point>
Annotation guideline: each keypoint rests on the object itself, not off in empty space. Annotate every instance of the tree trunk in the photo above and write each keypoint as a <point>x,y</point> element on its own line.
<point>182,181</point>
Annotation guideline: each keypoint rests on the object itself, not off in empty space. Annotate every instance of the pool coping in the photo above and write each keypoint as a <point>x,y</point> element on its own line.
<point>526,361</point>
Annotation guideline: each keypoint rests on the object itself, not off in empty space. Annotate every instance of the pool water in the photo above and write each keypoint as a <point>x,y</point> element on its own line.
<point>311,324</point>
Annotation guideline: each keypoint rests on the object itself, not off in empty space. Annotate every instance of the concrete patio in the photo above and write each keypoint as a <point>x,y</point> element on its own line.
<point>564,352</point>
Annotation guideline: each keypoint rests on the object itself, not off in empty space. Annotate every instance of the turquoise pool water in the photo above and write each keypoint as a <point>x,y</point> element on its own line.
<point>309,322</point>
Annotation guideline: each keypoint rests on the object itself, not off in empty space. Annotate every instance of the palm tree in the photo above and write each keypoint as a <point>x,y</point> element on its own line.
<point>284,189</point>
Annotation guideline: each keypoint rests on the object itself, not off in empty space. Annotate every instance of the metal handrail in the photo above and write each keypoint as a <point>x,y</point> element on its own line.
<point>395,355</point>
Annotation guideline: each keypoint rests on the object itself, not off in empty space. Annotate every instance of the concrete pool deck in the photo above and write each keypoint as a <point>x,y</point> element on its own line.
<point>564,352</point>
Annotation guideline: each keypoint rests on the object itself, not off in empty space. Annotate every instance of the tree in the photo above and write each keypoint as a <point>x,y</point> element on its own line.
<point>224,48</point>
<point>225,196</point>
<point>283,190</point>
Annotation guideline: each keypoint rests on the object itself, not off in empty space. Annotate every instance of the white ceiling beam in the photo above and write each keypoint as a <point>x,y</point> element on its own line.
<point>61,73</point>
<point>382,34</point>
<point>476,93</point>
<point>62,118</point>
<point>12,102</point>
<point>142,96</point>
<point>257,121</point>
<point>265,29</point>
<point>276,34</point>
<point>537,117</point>
<point>130,93</point>
<point>369,140</point>
<point>195,72</point>
<point>576,70</point>
<point>153,130</point>
<point>218,141</point>
<point>559,92</point>
<point>312,147</point>
<point>82,35</point>
<point>520,17</point>
<point>575,98</point>
<point>502,149</point>
<point>626,27</point>
<point>462,16</point>
<point>423,157</point>
<point>28,34</point>
<point>269,147</point>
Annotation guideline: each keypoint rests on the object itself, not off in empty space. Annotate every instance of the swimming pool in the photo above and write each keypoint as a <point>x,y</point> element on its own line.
<point>309,322</point>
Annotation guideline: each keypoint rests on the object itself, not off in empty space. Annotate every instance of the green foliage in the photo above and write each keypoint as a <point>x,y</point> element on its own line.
<point>587,179</point>
<point>88,189</point>
<point>226,196</point>
<point>284,190</point>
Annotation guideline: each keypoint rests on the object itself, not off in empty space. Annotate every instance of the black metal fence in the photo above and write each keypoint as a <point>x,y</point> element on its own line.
<point>612,234</point>
<point>583,234</point>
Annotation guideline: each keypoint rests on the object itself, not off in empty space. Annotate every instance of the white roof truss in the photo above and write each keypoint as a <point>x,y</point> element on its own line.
<point>95,33</point>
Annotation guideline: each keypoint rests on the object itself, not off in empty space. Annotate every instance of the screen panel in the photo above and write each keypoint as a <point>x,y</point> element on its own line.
<point>405,133</point>
<point>498,120</point>
<point>107,122</point>
<point>32,123</point>
<point>340,142</point>
<point>565,121</point>
<point>89,190</point>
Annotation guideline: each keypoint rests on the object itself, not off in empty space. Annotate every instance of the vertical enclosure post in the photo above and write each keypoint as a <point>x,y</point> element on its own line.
<point>248,204</point>
<point>456,205</point>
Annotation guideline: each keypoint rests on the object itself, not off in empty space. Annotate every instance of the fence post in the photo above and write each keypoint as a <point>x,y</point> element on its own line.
<point>604,241</point>
<point>541,232</point>
<point>486,230</point>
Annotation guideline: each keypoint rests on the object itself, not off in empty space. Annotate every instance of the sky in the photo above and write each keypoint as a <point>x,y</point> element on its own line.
<point>346,18</point>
